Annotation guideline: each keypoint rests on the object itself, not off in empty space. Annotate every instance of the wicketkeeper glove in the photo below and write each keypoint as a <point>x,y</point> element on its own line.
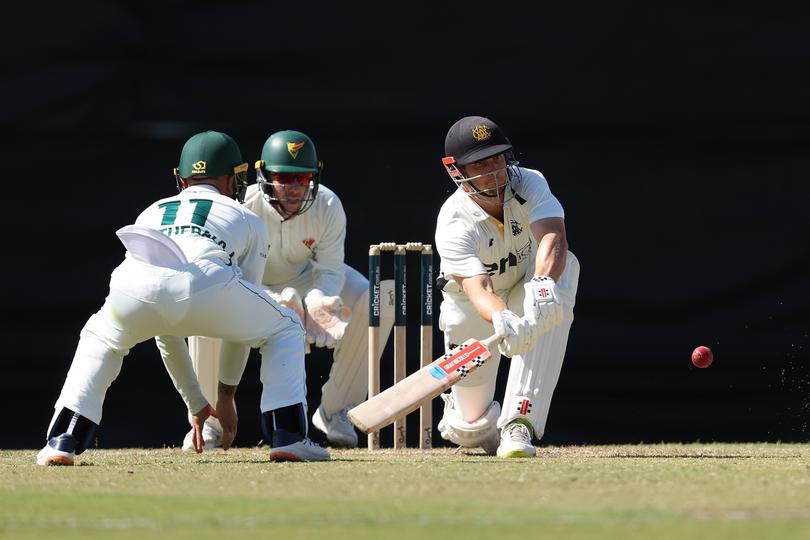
<point>519,334</point>
<point>327,318</point>
<point>541,304</point>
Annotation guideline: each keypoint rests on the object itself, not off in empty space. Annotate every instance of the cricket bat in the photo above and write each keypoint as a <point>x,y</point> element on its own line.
<point>421,386</point>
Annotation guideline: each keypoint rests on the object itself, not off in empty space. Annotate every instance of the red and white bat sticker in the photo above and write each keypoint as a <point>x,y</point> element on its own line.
<point>458,359</point>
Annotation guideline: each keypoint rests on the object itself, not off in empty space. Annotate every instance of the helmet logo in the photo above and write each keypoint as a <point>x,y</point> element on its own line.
<point>481,133</point>
<point>198,167</point>
<point>294,147</point>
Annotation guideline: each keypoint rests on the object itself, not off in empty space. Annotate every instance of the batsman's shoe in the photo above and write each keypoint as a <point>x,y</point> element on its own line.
<point>339,431</point>
<point>212,437</point>
<point>59,451</point>
<point>516,441</point>
<point>293,447</point>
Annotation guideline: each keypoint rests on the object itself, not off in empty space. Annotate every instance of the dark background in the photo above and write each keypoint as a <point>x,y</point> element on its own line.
<point>676,139</point>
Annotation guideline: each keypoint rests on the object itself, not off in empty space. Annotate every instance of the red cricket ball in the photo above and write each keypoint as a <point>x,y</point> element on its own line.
<point>702,357</point>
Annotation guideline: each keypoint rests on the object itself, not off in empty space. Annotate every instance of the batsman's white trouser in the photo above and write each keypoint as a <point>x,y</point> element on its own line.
<point>532,376</point>
<point>205,297</point>
<point>347,384</point>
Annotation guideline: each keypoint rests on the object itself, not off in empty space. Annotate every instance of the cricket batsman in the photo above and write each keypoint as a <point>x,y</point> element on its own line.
<point>305,270</point>
<point>505,269</point>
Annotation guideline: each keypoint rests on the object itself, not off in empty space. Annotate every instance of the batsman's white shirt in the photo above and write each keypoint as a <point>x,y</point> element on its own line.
<point>470,242</point>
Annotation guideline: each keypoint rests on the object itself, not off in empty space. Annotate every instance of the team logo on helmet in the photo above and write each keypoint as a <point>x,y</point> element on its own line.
<point>198,167</point>
<point>481,133</point>
<point>294,147</point>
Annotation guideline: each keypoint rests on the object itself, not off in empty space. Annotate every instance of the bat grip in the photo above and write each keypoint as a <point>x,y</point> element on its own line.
<point>491,341</point>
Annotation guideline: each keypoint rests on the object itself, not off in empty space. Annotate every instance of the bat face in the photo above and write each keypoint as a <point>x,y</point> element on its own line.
<point>421,386</point>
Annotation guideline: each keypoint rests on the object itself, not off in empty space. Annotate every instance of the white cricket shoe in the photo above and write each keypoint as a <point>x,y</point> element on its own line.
<point>339,431</point>
<point>52,456</point>
<point>212,437</point>
<point>516,441</point>
<point>303,450</point>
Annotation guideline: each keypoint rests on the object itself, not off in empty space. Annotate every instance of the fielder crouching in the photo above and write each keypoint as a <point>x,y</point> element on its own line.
<point>191,266</point>
<point>504,254</point>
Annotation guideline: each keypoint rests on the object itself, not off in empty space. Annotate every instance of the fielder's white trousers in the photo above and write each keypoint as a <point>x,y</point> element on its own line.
<point>205,297</point>
<point>532,376</point>
<point>347,384</point>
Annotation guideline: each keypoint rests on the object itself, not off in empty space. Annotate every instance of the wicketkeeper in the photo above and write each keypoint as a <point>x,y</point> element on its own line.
<point>305,270</point>
<point>505,269</point>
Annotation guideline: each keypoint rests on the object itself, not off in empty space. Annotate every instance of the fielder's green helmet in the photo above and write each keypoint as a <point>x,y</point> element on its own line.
<point>212,154</point>
<point>289,152</point>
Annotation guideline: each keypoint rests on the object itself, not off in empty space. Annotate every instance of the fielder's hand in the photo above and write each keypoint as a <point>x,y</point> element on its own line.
<point>197,423</point>
<point>226,412</point>
<point>519,334</point>
<point>327,319</point>
<point>541,303</point>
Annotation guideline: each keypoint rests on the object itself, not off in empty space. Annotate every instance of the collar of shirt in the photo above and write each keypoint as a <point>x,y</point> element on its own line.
<point>201,188</point>
<point>475,212</point>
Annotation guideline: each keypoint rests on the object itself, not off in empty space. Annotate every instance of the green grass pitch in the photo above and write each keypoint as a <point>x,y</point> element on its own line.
<point>660,491</point>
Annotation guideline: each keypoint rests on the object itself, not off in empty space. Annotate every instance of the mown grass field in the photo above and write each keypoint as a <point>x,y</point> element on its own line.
<point>646,491</point>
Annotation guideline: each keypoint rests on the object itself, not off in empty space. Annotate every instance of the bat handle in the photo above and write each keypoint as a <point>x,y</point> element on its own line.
<point>491,341</point>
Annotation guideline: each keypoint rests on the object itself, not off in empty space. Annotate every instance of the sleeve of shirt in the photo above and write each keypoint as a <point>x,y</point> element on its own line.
<point>327,264</point>
<point>542,203</point>
<point>233,358</point>
<point>455,243</point>
<point>254,259</point>
<point>174,352</point>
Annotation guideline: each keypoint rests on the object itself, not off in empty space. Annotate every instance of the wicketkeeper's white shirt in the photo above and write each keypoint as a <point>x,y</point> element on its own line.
<point>470,242</point>
<point>312,241</point>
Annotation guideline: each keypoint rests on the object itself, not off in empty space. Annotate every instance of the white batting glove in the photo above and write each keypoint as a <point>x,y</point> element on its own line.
<point>290,298</point>
<point>327,319</point>
<point>541,303</point>
<point>519,334</point>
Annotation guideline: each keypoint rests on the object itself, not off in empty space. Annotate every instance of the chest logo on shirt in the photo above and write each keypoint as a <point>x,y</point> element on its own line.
<point>481,133</point>
<point>516,228</point>
<point>309,242</point>
<point>294,147</point>
<point>511,260</point>
<point>198,167</point>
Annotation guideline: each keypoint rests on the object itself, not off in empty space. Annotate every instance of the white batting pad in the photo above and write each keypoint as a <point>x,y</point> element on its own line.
<point>534,375</point>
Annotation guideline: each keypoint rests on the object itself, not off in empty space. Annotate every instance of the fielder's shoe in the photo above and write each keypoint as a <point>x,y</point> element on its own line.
<point>59,451</point>
<point>292,447</point>
<point>212,437</point>
<point>516,441</point>
<point>339,431</point>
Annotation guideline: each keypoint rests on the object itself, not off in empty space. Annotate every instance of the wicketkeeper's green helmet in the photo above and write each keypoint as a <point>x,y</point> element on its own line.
<point>289,155</point>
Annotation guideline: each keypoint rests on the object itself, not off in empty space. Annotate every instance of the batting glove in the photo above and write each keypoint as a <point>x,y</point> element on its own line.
<point>541,303</point>
<point>519,334</point>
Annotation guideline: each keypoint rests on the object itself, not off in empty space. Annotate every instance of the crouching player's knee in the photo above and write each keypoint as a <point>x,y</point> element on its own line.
<point>478,433</point>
